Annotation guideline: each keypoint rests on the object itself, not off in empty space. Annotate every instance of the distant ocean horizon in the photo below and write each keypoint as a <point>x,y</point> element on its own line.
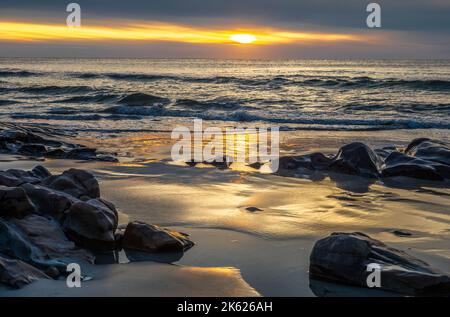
<point>114,95</point>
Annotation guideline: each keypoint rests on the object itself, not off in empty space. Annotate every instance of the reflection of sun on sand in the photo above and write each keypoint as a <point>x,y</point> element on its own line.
<point>148,279</point>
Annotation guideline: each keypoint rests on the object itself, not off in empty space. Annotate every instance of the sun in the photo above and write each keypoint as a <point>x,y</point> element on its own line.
<point>243,38</point>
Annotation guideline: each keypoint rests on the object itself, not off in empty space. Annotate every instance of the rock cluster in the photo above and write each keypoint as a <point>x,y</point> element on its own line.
<point>28,143</point>
<point>48,221</point>
<point>422,158</point>
<point>345,257</point>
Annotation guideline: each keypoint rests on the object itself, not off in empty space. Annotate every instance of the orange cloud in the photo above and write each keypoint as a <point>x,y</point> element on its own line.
<point>17,31</point>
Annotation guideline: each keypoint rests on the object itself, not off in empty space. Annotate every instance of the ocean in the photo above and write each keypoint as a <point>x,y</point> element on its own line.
<point>123,95</point>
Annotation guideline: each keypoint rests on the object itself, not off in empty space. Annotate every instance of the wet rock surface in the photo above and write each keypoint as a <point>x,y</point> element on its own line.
<point>144,237</point>
<point>17,274</point>
<point>48,221</point>
<point>23,141</point>
<point>423,159</point>
<point>344,258</point>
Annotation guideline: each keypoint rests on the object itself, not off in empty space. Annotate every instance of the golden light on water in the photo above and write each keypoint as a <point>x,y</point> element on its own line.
<point>33,32</point>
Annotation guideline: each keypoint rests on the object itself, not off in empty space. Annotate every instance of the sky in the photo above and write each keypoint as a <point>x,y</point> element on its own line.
<point>266,29</point>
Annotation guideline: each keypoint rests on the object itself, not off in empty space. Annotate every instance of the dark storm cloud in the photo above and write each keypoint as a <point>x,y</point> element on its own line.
<point>412,15</point>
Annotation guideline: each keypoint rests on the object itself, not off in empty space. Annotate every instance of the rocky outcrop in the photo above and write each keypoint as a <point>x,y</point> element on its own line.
<point>423,158</point>
<point>78,183</point>
<point>24,142</point>
<point>39,242</point>
<point>344,258</point>
<point>14,202</point>
<point>144,237</point>
<point>49,202</point>
<point>17,274</point>
<point>48,221</point>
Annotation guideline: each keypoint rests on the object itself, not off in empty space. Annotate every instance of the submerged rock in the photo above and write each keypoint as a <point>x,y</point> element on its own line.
<point>144,237</point>
<point>17,274</point>
<point>344,258</point>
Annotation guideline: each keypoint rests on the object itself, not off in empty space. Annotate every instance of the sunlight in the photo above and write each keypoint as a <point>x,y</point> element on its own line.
<point>243,38</point>
<point>33,32</point>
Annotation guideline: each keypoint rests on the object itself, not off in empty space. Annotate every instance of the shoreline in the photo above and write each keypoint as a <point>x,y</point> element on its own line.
<point>213,242</point>
<point>235,216</point>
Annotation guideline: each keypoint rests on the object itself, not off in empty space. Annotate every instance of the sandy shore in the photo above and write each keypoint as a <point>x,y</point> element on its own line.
<point>239,252</point>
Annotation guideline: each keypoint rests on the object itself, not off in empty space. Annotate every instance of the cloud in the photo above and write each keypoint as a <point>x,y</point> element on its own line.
<point>410,28</point>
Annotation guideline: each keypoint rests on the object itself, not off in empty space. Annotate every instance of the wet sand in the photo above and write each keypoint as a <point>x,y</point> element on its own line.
<point>270,247</point>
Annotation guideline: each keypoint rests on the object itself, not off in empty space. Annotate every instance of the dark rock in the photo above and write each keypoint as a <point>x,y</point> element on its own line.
<point>41,172</point>
<point>91,224</point>
<point>357,158</point>
<point>399,164</point>
<point>14,202</point>
<point>17,274</point>
<point>81,154</point>
<point>56,153</point>
<point>13,136</point>
<point>52,272</point>
<point>141,99</point>
<point>294,162</point>
<point>430,150</point>
<point>49,202</point>
<point>253,209</point>
<point>401,233</point>
<point>33,149</point>
<point>31,144</point>
<point>151,238</point>
<point>9,180</point>
<point>39,242</point>
<point>24,176</point>
<point>344,257</point>
<point>74,182</point>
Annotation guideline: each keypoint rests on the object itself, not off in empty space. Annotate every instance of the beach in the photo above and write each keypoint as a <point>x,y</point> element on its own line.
<point>269,248</point>
<point>253,230</point>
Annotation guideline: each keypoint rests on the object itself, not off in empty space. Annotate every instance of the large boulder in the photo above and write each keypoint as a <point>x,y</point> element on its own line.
<point>357,158</point>
<point>15,203</point>
<point>39,242</point>
<point>344,258</point>
<point>17,274</point>
<point>91,224</point>
<point>49,202</point>
<point>150,238</point>
<point>78,183</point>
<point>399,164</point>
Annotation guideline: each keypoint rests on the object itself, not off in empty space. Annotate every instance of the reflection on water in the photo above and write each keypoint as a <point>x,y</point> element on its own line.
<point>291,207</point>
<point>124,256</point>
